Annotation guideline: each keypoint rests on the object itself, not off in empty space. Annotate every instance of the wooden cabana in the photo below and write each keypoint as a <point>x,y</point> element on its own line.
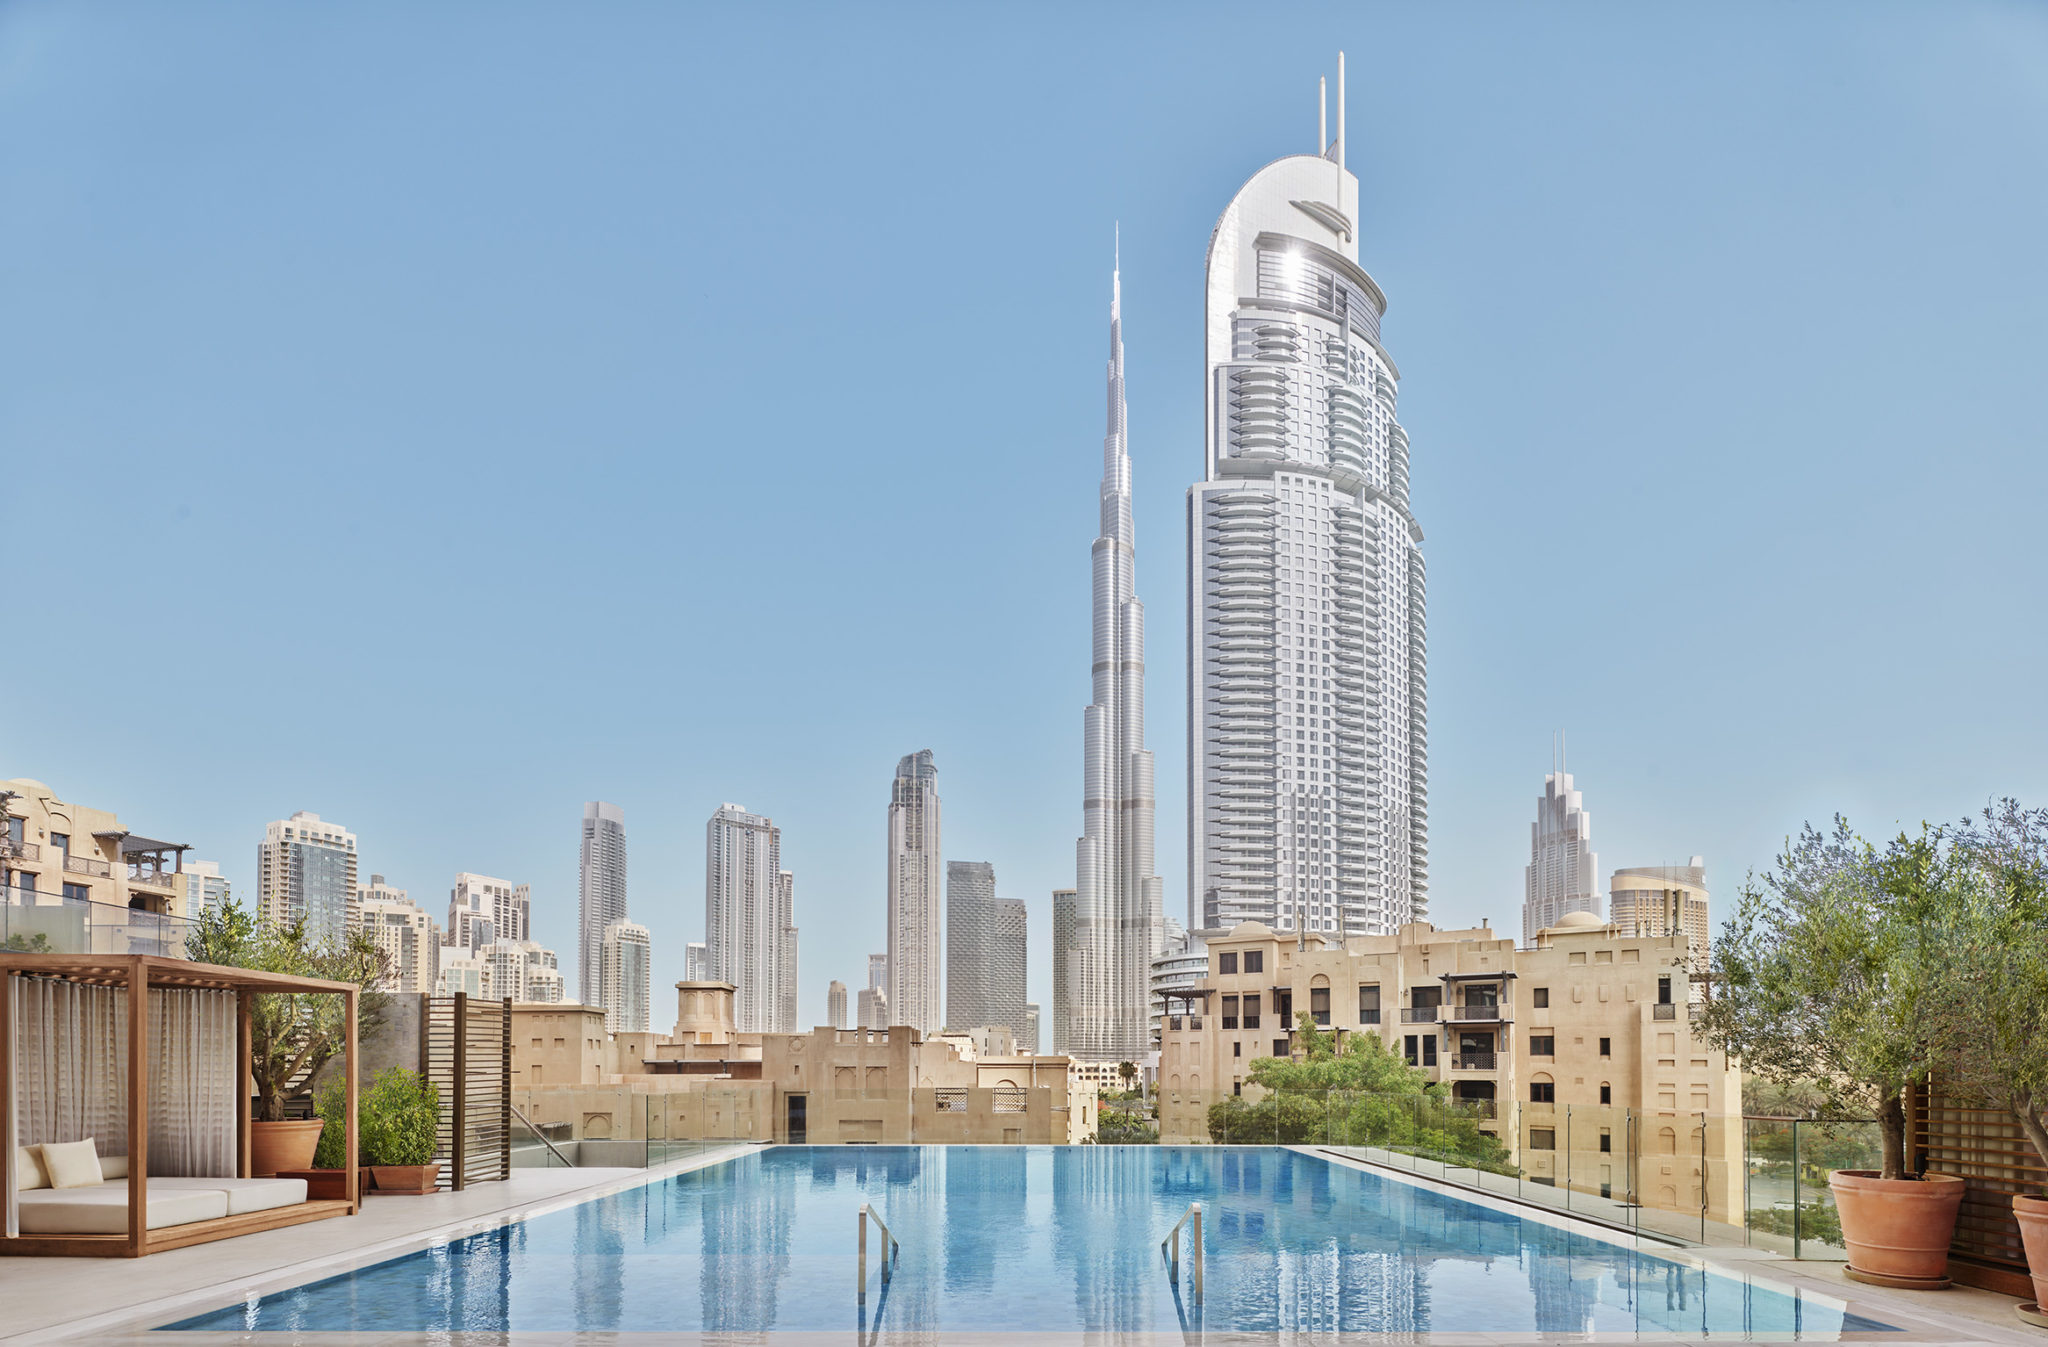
<point>138,974</point>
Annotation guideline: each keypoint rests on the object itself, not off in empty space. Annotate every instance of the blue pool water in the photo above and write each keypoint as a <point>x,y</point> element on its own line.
<point>1008,1238</point>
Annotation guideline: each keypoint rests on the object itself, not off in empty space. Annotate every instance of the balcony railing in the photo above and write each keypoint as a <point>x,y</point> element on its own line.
<point>152,879</point>
<point>1664,1011</point>
<point>20,851</point>
<point>1418,1014</point>
<point>1486,1014</point>
<point>45,923</point>
<point>1473,1061</point>
<point>86,865</point>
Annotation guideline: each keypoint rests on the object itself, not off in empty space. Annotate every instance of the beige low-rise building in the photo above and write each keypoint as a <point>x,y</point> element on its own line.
<point>1577,1053</point>
<point>705,1080</point>
<point>57,856</point>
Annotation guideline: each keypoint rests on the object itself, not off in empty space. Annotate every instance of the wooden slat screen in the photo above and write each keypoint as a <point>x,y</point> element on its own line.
<point>1987,1149</point>
<point>466,1045</point>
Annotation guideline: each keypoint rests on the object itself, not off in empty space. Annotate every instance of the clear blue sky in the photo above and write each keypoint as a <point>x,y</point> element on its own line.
<point>435,417</point>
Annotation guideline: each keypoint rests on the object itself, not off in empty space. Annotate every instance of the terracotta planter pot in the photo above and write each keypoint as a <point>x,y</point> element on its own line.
<point>1897,1230</point>
<point>2032,1214</point>
<point>323,1185</point>
<point>416,1180</point>
<point>282,1145</point>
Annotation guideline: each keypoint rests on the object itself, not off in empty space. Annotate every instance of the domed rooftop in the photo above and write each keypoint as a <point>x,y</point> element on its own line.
<point>1578,921</point>
<point>1249,930</point>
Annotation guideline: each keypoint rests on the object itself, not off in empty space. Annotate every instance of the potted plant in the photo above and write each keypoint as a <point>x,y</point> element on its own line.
<point>1822,975</point>
<point>328,1177</point>
<point>1991,1009</point>
<point>400,1119</point>
<point>292,1034</point>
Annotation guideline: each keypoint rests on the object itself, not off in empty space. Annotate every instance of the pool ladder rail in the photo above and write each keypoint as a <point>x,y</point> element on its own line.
<point>1170,1248</point>
<point>890,1249</point>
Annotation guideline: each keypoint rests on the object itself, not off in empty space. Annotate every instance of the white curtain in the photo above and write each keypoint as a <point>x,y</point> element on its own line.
<point>71,1057</point>
<point>71,1063</point>
<point>192,1081</point>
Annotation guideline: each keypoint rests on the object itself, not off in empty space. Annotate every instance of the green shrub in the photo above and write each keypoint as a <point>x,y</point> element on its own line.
<point>1816,1221</point>
<point>331,1106</point>
<point>398,1117</point>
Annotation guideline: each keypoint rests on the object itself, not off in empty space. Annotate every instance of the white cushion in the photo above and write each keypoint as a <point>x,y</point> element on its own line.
<point>113,1166</point>
<point>28,1169</point>
<point>72,1164</point>
<point>243,1194</point>
<point>104,1210</point>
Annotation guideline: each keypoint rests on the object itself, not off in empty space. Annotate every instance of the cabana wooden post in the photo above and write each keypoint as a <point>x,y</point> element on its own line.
<point>138,973</point>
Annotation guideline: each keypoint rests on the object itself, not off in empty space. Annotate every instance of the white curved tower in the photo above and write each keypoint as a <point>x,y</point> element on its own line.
<point>1307,692</point>
<point>1118,900</point>
<point>1563,874</point>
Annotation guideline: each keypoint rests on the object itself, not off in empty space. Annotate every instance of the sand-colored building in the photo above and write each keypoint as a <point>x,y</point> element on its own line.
<point>1577,1052</point>
<point>1661,899</point>
<point>74,875</point>
<point>705,1080</point>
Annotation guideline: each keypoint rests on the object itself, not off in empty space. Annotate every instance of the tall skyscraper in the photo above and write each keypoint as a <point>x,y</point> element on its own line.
<point>1307,727</point>
<point>835,1004</point>
<point>306,868</point>
<point>696,962</point>
<point>1063,957</point>
<point>785,907</point>
<point>874,1008</point>
<point>1118,900</point>
<point>602,894</point>
<point>915,953</point>
<point>1652,900</point>
<point>624,964</point>
<point>1029,1043</point>
<point>985,951</point>
<point>878,972</point>
<point>409,937</point>
<point>745,916</point>
<point>483,909</point>
<point>1563,874</point>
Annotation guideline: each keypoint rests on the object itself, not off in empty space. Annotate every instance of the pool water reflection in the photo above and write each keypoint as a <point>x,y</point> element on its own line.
<point>1049,1239</point>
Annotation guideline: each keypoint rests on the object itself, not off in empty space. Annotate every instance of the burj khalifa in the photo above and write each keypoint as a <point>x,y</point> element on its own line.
<point>1118,901</point>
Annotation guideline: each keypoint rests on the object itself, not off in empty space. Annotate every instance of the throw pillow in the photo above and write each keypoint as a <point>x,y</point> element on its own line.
<point>28,1169</point>
<point>73,1164</point>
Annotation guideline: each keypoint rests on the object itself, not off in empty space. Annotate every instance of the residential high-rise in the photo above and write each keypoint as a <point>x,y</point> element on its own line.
<point>625,961</point>
<point>746,916</point>
<point>521,969</point>
<point>409,937</point>
<point>1663,900</point>
<point>785,906</point>
<point>1063,955</point>
<point>835,1005</point>
<point>1118,900</point>
<point>874,1008</point>
<point>985,951</point>
<point>1307,723</point>
<point>601,893</point>
<point>1029,1043</point>
<point>696,962</point>
<point>205,888</point>
<point>1563,874</point>
<point>878,972</point>
<point>306,868</point>
<point>915,953</point>
<point>483,909</point>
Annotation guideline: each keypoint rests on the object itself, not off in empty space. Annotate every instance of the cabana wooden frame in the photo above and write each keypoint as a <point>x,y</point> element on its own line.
<point>138,973</point>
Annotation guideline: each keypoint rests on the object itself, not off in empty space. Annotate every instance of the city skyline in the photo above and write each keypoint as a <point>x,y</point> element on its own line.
<point>1702,461</point>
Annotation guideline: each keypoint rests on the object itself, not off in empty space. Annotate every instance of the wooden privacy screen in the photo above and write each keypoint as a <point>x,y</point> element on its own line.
<point>466,1050</point>
<point>1987,1149</point>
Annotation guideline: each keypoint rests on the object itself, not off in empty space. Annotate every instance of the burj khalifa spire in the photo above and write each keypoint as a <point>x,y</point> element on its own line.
<point>1118,900</point>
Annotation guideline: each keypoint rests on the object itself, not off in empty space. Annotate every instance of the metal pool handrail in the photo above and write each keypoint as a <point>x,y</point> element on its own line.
<point>1194,1213</point>
<point>542,1136</point>
<point>890,1248</point>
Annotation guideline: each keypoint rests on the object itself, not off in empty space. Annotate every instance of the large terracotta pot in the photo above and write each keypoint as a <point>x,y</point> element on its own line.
<point>1897,1230</point>
<point>2032,1214</point>
<point>282,1145</point>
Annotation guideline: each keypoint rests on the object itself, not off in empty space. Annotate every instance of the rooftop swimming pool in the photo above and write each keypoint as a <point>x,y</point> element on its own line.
<point>1047,1239</point>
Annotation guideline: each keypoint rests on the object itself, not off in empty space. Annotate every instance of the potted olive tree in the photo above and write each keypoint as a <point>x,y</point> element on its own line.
<point>1990,1009</point>
<point>292,1034</point>
<point>1820,975</point>
<point>400,1119</point>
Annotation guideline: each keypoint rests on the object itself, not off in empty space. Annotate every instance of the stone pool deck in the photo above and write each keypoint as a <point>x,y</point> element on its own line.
<point>116,1301</point>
